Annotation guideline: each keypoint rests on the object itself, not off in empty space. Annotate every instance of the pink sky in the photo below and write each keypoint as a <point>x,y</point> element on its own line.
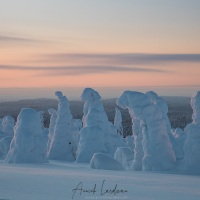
<point>99,44</point>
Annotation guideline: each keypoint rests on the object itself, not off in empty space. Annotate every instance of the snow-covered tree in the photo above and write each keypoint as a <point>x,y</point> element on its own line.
<point>8,125</point>
<point>6,134</point>
<point>125,156</point>
<point>90,98</point>
<point>158,153</point>
<point>44,130</point>
<point>130,142</point>
<point>61,147</point>
<point>138,150</point>
<point>118,122</point>
<point>137,132</point>
<point>97,134</point>
<point>52,124</point>
<point>192,147</point>
<point>78,124</point>
<point>5,146</point>
<point>178,138</point>
<point>1,127</point>
<point>162,105</point>
<point>116,140</point>
<point>28,144</point>
<point>2,134</point>
<point>93,135</point>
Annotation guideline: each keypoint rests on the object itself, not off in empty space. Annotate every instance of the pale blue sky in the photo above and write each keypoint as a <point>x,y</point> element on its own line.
<point>174,20</point>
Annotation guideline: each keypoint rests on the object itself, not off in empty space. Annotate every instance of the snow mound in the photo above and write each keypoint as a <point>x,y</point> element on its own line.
<point>104,161</point>
<point>27,145</point>
<point>124,156</point>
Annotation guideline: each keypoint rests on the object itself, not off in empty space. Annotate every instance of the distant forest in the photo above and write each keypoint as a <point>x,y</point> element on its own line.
<point>180,111</point>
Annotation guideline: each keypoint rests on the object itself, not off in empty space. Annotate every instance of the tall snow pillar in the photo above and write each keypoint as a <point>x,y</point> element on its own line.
<point>61,144</point>
<point>94,137</point>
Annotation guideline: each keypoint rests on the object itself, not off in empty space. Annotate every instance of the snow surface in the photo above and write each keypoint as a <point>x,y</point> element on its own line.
<point>56,180</point>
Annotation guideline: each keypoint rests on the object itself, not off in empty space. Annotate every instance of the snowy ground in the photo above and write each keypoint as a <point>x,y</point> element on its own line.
<point>56,181</point>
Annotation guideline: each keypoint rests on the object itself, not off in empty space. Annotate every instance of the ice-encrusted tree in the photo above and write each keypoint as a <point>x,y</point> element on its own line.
<point>137,133</point>
<point>1,127</point>
<point>5,146</point>
<point>158,153</point>
<point>27,145</point>
<point>94,120</point>
<point>61,147</point>
<point>90,97</point>
<point>125,156</point>
<point>2,134</point>
<point>45,130</point>
<point>179,137</point>
<point>138,149</point>
<point>77,125</point>
<point>8,124</point>
<point>6,134</point>
<point>130,142</point>
<point>116,140</point>
<point>94,136</point>
<point>191,146</point>
<point>52,124</point>
<point>118,121</point>
<point>162,105</point>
